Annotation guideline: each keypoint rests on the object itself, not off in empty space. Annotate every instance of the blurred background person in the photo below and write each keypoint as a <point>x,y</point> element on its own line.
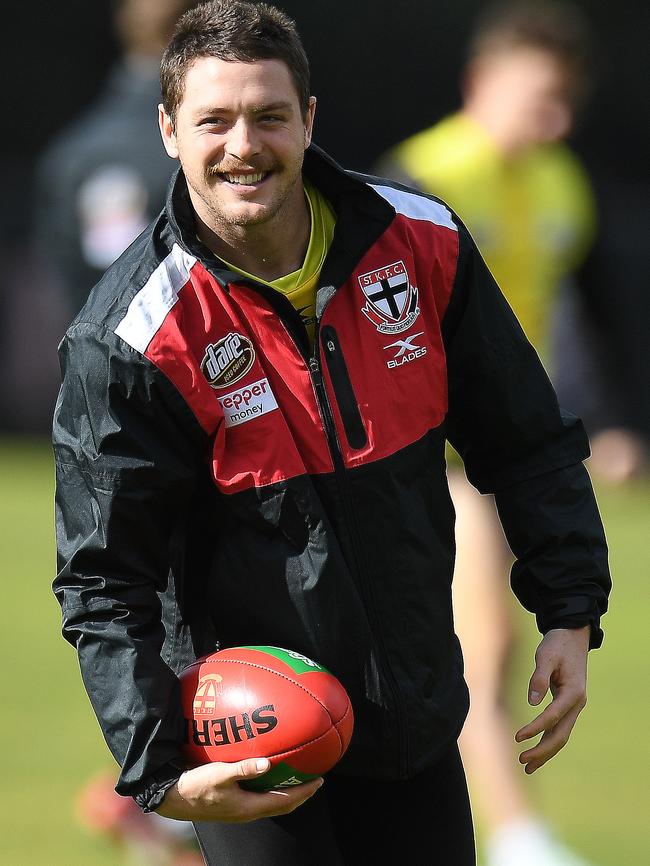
<point>598,336</point>
<point>501,163</point>
<point>104,177</point>
<point>98,185</point>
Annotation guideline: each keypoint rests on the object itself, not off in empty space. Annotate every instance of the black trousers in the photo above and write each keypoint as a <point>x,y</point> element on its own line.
<point>425,821</point>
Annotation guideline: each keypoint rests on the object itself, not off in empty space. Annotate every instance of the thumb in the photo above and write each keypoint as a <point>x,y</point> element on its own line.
<point>250,768</point>
<point>540,681</point>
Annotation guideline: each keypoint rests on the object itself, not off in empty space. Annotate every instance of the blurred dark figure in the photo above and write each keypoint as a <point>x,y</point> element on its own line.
<point>104,178</point>
<point>502,164</point>
<point>599,335</point>
<point>98,185</point>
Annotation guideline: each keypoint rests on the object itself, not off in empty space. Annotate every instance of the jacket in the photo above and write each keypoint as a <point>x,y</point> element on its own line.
<point>219,483</point>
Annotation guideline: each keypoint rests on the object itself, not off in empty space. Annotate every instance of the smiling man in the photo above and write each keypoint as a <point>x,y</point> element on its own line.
<point>250,441</point>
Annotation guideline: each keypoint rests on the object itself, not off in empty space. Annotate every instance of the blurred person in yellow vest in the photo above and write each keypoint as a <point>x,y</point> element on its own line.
<point>502,164</point>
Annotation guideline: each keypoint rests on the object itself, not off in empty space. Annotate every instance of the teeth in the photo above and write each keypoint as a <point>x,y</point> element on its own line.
<point>244,179</point>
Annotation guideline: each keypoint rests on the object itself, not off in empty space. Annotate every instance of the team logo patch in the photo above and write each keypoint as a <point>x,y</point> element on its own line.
<point>228,360</point>
<point>391,299</point>
<point>406,351</point>
<point>248,403</point>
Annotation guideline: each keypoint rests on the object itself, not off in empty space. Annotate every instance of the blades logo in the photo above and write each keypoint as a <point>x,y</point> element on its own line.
<point>406,351</point>
<point>391,299</point>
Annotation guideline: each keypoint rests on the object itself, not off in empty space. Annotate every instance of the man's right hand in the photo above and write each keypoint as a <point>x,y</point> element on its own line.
<point>211,793</point>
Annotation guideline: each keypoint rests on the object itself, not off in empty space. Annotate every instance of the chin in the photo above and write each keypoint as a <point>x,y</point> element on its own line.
<point>250,216</point>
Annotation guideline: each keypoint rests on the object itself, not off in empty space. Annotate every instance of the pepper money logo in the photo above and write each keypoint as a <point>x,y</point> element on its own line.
<point>228,360</point>
<point>391,299</point>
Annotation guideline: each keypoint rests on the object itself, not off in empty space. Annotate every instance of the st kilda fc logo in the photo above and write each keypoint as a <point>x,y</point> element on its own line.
<point>228,360</point>
<point>391,299</point>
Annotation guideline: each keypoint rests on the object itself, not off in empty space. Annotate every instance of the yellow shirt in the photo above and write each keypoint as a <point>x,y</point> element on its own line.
<point>532,216</point>
<point>300,286</point>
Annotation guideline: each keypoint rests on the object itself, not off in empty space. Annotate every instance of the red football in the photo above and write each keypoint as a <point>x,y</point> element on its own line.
<point>264,701</point>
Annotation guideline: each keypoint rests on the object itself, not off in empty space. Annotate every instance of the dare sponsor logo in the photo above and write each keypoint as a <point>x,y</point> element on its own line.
<point>248,403</point>
<point>228,360</point>
<point>391,299</point>
<point>226,730</point>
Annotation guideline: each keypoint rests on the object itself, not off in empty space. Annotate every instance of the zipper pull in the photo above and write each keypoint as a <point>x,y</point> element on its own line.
<point>331,347</point>
<point>316,372</point>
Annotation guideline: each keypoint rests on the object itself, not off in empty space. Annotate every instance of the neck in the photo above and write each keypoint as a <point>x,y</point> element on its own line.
<point>268,250</point>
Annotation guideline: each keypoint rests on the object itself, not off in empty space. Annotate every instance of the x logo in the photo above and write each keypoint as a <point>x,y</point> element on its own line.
<point>404,345</point>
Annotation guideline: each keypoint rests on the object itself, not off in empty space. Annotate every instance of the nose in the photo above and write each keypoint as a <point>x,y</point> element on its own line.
<point>243,141</point>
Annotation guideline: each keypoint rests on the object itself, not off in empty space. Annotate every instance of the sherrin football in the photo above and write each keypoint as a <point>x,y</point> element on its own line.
<point>265,702</point>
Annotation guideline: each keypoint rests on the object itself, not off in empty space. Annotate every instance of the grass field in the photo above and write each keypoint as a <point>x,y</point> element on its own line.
<point>596,792</point>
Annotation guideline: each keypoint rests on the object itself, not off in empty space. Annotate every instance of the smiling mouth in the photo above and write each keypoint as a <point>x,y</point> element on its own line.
<point>244,179</point>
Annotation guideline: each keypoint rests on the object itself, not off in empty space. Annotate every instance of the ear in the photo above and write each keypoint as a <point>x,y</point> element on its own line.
<point>309,120</point>
<point>167,132</point>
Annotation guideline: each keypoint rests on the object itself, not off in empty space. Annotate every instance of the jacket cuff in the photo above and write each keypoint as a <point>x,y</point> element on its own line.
<point>564,614</point>
<point>157,786</point>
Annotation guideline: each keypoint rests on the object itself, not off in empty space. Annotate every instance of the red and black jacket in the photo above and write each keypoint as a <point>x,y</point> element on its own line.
<point>220,481</point>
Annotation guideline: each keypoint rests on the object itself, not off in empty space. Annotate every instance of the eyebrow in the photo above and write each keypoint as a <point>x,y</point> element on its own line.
<point>206,110</point>
<point>274,106</point>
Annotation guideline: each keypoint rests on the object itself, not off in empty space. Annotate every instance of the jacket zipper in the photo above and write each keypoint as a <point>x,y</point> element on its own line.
<point>345,397</point>
<point>355,535</point>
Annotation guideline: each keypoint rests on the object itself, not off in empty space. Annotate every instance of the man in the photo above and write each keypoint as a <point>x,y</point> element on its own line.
<point>315,516</point>
<point>501,162</point>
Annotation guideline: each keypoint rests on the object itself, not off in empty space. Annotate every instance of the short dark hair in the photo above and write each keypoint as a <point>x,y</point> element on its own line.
<point>232,30</point>
<point>557,27</point>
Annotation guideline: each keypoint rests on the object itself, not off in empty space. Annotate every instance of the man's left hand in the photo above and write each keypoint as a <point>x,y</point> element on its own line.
<point>561,665</point>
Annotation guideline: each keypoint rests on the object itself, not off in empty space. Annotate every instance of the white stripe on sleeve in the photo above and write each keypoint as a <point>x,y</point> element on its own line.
<point>148,309</point>
<point>416,207</point>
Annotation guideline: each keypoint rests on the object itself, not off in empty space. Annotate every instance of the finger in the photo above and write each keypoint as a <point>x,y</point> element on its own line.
<point>281,801</point>
<point>545,721</point>
<point>540,681</point>
<point>551,742</point>
<point>565,701</point>
<point>248,769</point>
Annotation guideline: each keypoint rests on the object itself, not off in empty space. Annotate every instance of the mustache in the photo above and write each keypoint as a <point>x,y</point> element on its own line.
<point>215,170</point>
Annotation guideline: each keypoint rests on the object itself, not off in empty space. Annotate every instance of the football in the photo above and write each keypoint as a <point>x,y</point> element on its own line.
<point>265,701</point>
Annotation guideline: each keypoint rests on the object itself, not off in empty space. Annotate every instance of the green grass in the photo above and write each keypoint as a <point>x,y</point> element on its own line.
<point>595,792</point>
<point>51,742</point>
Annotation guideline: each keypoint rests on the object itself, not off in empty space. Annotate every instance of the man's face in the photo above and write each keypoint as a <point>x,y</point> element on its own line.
<point>240,136</point>
<point>529,90</point>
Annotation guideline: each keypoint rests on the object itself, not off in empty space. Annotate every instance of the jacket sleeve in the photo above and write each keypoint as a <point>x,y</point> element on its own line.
<point>128,455</point>
<point>516,442</point>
